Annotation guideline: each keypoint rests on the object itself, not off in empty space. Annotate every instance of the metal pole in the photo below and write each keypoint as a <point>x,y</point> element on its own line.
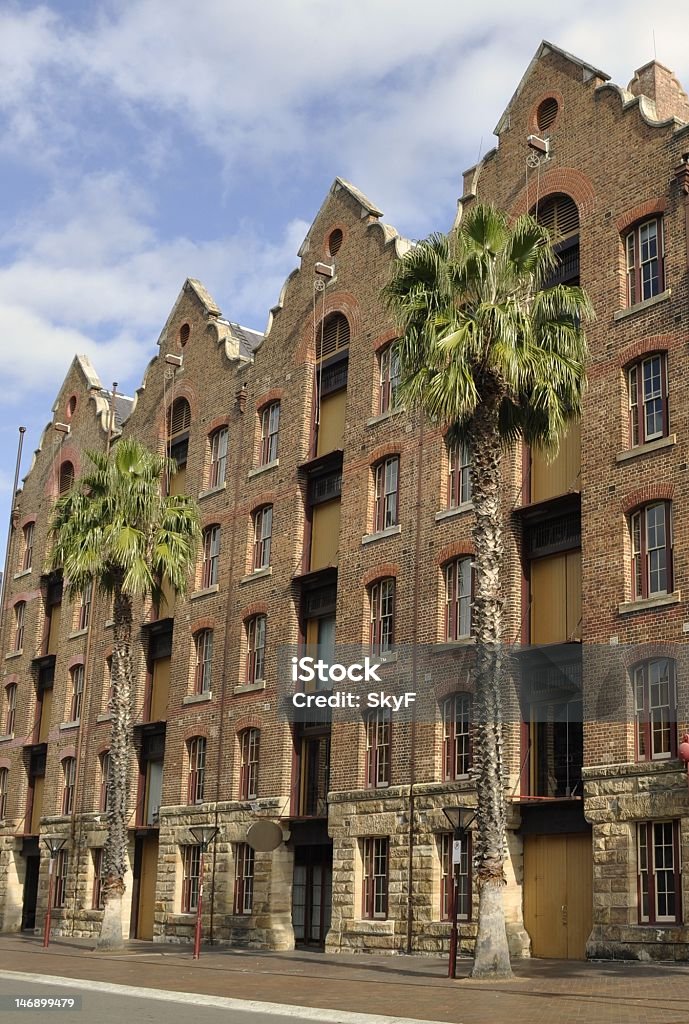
<point>199,902</point>
<point>46,926</point>
<point>454,934</point>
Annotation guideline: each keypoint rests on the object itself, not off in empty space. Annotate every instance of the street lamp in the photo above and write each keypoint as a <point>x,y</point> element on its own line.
<point>53,844</point>
<point>204,836</point>
<point>461,819</point>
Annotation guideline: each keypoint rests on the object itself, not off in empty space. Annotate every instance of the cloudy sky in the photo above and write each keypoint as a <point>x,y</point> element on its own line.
<point>142,143</point>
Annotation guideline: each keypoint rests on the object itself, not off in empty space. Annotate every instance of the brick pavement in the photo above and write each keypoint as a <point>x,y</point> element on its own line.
<point>542,990</point>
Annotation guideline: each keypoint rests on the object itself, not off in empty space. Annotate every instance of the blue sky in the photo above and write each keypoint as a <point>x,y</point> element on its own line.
<point>143,143</point>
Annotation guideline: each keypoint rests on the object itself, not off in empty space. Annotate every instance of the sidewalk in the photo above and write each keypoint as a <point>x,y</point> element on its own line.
<point>542,990</point>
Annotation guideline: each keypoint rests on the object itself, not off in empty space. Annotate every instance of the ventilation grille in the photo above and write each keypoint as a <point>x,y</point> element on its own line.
<point>180,418</point>
<point>335,242</point>
<point>546,113</point>
<point>554,535</point>
<point>325,488</point>
<point>334,336</point>
<point>334,378</point>
<point>320,602</point>
<point>559,214</point>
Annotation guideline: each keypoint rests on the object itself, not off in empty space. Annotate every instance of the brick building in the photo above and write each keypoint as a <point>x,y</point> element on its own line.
<point>331,516</point>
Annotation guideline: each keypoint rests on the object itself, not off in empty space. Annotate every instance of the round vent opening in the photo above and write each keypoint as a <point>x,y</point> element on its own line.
<point>335,242</point>
<point>184,332</point>
<point>547,112</point>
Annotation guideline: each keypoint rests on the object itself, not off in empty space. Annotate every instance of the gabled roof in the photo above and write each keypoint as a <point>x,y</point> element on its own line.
<point>204,297</point>
<point>588,71</point>
<point>368,208</point>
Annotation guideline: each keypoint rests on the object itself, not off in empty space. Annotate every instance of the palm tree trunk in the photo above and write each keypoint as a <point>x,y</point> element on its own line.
<point>491,955</point>
<point>116,843</point>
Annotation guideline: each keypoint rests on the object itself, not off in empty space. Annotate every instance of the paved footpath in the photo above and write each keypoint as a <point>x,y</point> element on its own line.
<point>542,991</point>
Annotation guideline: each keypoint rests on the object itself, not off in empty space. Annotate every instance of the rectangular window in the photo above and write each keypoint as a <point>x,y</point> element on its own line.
<point>270,425</point>
<point>256,649</point>
<point>4,785</point>
<point>60,867</point>
<point>457,736</point>
<point>77,692</point>
<point>648,418</point>
<point>10,708</point>
<point>458,599</point>
<point>249,747</point>
<point>104,780</point>
<point>658,872</point>
<point>389,377</point>
<point>382,616</point>
<point>69,768</point>
<point>459,476</point>
<point>203,661</point>
<point>218,457</point>
<point>27,560</point>
<point>263,529</point>
<point>387,495</point>
<point>654,692</point>
<point>85,607</point>
<point>651,535</point>
<point>97,901</point>
<point>191,870</point>
<point>243,878</point>
<point>374,851</point>
<point>455,874</point>
<point>644,255</point>
<point>211,557</point>
<point>378,729</point>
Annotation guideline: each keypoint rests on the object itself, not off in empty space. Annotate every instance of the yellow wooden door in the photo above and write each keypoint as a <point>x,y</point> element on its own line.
<point>46,715</point>
<point>147,888</point>
<point>160,688</point>
<point>325,534</point>
<point>550,477</point>
<point>332,423</point>
<point>558,897</point>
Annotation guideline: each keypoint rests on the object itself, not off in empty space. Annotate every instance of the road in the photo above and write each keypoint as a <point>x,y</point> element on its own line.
<point>103,1004</point>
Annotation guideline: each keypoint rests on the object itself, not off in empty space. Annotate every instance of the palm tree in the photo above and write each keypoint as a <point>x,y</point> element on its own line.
<point>488,350</point>
<point>116,529</point>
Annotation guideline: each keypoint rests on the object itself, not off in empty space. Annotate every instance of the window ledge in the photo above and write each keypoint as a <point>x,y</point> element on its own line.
<point>77,633</point>
<point>650,446</point>
<point>262,469</point>
<point>24,572</point>
<point>453,645</point>
<point>383,416</point>
<point>198,698</point>
<point>458,510</point>
<point>250,687</point>
<point>218,489</point>
<point>7,737</point>
<point>648,603</point>
<point>257,574</point>
<point>104,718</point>
<point>392,531</point>
<point>14,654</point>
<point>205,592</point>
<point>638,307</point>
<point>109,623</point>
<point>65,726</point>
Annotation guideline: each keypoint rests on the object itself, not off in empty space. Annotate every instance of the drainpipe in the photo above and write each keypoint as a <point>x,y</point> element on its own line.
<point>415,670</point>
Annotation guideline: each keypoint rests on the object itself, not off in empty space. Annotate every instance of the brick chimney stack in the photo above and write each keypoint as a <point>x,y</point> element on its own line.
<point>659,84</point>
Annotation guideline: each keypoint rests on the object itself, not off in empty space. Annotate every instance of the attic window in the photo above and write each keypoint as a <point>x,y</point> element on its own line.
<point>560,215</point>
<point>547,111</point>
<point>184,332</point>
<point>333,336</point>
<point>335,241</point>
<point>71,407</point>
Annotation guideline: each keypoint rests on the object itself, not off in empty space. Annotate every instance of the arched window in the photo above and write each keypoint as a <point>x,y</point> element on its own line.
<point>651,538</point>
<point>378,734</point>
<point>69,773</point>
<point>19,617</point>
<point>27,552</point>
<point>196,748</point>
<point>655,707</point>
<point>458,584</point>
<point>4,789</point>
<point>332,336</point>
<point>178,427</point>
<point>249,752</point>
<point>644,256</point>
<point>382,597</point>
<point>456,735</point>
<point>104,780</point>
<point>84,613</point>
<point>255,649</point>
<point>10,709</point>
<point>389,365</point>
<point>218,468</point>
<point>559,214</point>
<point>66,478</point>
<point>458,474</point>
<point>648,399</point>
<point>270,428</point>
<point>203,660</point>
<point>386,482</point>
<point>211,556</point>
<point>263,532</point>
<point>77,697</point>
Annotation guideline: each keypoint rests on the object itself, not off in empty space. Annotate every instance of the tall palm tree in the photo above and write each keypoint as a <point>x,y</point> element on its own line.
<point>491,352</point>
<point>117,530</point>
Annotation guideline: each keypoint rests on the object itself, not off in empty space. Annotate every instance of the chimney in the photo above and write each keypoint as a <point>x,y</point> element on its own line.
<point>659,84</point>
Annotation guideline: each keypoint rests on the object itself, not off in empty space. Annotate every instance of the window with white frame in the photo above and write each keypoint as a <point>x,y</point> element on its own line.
<point>196,750</point>
<point>389,377</point>
<point>255,649</point>
<point>10,709</point>
<point>655,709</point>
<point>456,735</point>
<point>270,426</point>
<point>458,580</point>
<point>459,475</point>
<point>644,256</point>
<point>648,406</point>
<point>378,735</point>
<point>375,858</point>
<point>69,778</point>
<point>249,752</point>
<point>4,789</point>
<point>218,467</point>
<point>263,531</point>
<point>386,478</point>
<point>651,537</point>
<point>191,873</point>
<point>77,695</point>
<point>19,619</point>
<point>658,872</point>
<point>382,598</point>
<point>84,613</point>
<point>203,660</point>
<point>27,554</point>
<point>211,556</point>
<point>243,878</point>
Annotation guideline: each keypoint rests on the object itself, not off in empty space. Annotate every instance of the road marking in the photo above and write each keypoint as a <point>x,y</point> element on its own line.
<point>220,1002</point>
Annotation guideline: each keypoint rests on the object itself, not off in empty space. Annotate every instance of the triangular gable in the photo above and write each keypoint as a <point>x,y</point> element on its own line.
<point>201,293</point>
<point>367,207</point>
